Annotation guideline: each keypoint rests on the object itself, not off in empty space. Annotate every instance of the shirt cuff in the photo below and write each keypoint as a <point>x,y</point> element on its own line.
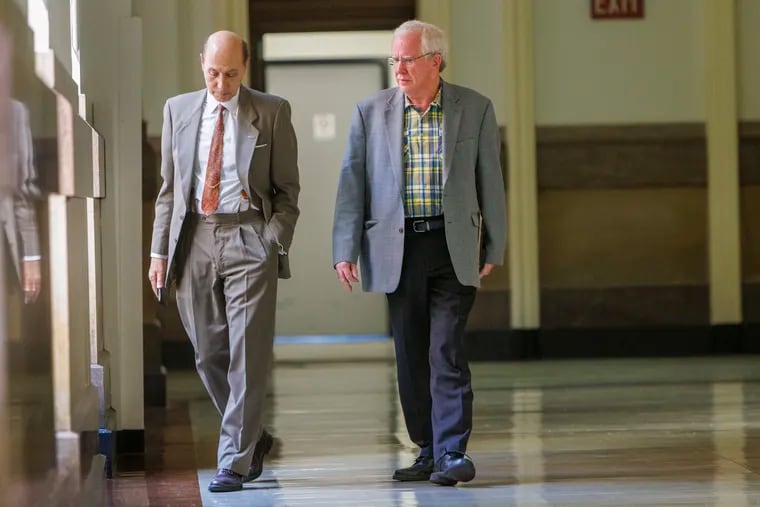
<point>31,258</point>
<point>158,256</point>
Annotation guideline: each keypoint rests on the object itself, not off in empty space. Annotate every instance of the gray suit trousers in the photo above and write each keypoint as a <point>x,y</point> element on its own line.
<point>226,297</point>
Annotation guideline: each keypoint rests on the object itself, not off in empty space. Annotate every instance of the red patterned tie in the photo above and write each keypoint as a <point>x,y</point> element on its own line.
<point>210,199</point>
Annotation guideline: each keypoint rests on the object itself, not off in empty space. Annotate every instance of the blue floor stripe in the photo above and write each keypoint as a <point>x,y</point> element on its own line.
<point>331,338</point>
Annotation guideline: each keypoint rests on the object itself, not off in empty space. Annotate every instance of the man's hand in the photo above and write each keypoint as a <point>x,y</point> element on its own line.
<point>157,273</point>
<point>347,273</point>
<point>32,274</point>
<point>487,268</point>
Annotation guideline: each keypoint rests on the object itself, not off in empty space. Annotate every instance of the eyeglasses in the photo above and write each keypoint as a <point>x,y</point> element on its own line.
<point>407,60</point>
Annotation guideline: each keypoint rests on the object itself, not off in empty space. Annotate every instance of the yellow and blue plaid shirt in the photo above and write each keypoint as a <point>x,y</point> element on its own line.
<point>423,159</point>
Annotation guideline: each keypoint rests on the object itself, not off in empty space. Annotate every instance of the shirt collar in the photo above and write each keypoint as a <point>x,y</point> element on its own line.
<point>231,105</point>
<point>436,100</point>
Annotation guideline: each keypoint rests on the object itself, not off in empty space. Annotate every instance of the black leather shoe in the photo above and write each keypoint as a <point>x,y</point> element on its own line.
<point>419,471</point>
<point>263,446</point>
<point>226,480</point>
<point>451,468</point>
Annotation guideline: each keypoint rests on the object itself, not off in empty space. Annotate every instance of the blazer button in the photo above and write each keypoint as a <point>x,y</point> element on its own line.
<point>401,230</point>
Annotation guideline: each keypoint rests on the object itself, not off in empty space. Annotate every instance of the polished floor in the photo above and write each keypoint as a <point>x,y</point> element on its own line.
<point>644,432</point>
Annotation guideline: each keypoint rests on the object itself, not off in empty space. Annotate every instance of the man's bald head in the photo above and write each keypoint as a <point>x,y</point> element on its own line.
<point>227,40</point>
<point>224,60</point>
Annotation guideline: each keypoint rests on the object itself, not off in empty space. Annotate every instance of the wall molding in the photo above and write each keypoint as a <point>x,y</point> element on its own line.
<point>634,156</point>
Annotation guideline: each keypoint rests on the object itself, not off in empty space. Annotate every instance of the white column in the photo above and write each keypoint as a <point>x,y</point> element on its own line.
<point>127,192</point>
<point>723,192</point>
<point>111,72</point>
<point>521,141</point>
<point>163,57</point>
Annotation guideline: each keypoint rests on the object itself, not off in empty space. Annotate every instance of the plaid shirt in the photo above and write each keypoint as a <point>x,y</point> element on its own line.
<point>423,159</point>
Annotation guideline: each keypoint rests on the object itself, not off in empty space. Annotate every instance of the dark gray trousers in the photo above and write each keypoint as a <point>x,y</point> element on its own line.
<point>428,313</point>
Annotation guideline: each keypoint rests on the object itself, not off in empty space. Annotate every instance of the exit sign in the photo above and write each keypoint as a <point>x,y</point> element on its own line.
<point>617,9</point>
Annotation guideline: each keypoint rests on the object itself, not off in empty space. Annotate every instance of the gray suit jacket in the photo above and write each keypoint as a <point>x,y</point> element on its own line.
<point>17,214</point>
<point>267,162</point>
<point>369,209</point>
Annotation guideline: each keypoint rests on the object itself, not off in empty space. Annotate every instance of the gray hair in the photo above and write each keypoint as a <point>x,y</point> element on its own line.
<point>433,38</point>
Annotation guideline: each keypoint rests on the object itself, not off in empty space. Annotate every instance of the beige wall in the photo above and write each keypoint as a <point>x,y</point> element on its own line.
<point>475,41</point>
<point>616,71</point>
<point>593,72</point>
<point>586,71</point>
<point>173,35</point>
<point>616,237</point>
<point>161,44</point>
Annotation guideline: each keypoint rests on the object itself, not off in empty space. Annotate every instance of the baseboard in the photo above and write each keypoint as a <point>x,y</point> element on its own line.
<point>177,354</point>
<point>750,339</point>
<point>665,341</point>
<point>124,450</point>
<point>154,388</point>
<point>505,345</point>
<point>130,442</point>
<point>587,342</point>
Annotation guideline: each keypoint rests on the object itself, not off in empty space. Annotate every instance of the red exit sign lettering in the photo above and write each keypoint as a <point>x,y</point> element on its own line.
<point>617,9</point>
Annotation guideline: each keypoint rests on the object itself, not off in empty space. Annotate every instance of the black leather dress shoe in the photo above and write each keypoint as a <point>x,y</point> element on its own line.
<point>451,468</point>
<point>419,471</point>
<point>226,480</point>
<point>263,446</point>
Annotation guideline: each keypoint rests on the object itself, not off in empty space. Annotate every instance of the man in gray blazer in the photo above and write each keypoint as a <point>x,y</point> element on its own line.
<point>224,222</point>
<point>421,204</point>
<point>17,214</point>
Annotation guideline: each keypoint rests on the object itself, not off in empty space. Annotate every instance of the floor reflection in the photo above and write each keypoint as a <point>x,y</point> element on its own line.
<point>729,439</point>
<point>572,433</point>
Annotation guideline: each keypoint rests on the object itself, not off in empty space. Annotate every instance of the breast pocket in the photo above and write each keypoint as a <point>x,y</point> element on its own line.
<point>261,155</point>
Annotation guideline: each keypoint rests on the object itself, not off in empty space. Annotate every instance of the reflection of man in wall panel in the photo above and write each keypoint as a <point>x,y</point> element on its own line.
<point>17,214</point>
<point>5,184</point>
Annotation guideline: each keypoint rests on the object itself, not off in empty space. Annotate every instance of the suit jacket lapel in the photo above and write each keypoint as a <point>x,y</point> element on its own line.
<point>247,136</point>
<point>452,114</point>
<point>394,122</point>
<point>187,131</point>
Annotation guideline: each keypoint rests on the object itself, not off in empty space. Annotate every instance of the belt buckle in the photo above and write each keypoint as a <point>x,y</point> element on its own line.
<point>425,226</point>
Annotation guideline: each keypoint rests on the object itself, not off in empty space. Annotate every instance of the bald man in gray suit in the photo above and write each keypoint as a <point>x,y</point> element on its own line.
<point>224,222</point>
<point>421,206</point>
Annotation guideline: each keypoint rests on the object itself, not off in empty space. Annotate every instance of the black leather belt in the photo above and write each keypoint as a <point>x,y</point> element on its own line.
<point>424,224</point>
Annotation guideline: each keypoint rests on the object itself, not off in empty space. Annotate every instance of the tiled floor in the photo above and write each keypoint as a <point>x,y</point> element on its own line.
<point>651,432</point>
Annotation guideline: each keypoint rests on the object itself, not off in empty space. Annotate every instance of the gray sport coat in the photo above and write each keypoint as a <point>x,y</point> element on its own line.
<point>369,211</point>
